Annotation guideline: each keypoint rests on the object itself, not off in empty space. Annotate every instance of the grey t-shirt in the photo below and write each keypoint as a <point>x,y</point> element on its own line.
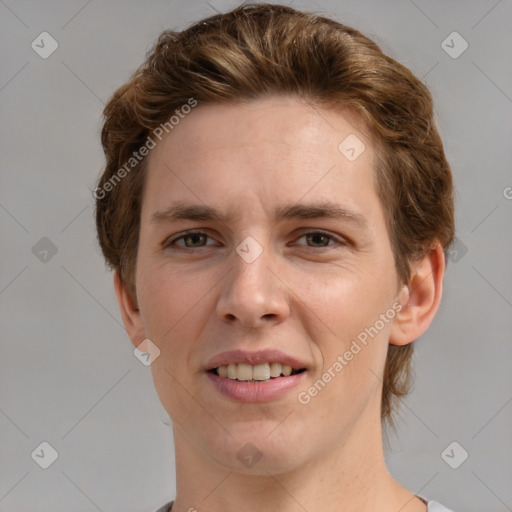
<point>432,506</point>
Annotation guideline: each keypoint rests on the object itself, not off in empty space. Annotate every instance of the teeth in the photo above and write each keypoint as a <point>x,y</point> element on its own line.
<point>244,372</point>
<point>232,373</point>
<point>275,369</point>
<point>287,370</point>
<point>261,372</point>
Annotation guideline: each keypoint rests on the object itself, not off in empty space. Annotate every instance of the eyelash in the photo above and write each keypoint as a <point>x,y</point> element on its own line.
<point>168,243</point>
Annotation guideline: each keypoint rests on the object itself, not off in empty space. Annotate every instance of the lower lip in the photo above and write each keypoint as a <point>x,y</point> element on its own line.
<point>261,391</point>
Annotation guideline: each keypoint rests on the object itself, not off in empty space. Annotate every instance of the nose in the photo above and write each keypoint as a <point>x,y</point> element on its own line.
<point>253,294</point>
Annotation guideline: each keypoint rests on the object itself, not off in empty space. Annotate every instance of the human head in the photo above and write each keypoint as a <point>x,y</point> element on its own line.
<point>260,50</point>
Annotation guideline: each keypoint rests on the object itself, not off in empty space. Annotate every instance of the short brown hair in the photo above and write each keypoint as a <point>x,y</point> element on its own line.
<point>261,49</point>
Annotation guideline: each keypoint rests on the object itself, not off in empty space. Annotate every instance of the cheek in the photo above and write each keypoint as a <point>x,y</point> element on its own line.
<point>350,379</point>
<point>171,306</point>
<point>168,301</point>
<point>350,338</point>
<point>343,301</point>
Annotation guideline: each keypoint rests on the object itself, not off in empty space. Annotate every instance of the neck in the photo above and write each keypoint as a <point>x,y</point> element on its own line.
<point>350,476</point>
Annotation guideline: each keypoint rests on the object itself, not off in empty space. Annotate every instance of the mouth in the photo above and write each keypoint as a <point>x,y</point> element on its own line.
<point>255,373</point>
<point>262,376</point>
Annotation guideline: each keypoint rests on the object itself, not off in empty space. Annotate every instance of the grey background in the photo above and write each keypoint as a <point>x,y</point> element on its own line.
<point>68,375</point>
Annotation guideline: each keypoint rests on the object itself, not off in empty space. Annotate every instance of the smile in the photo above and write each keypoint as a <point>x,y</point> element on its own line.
<point>261,376</point>
<point>255,373</point>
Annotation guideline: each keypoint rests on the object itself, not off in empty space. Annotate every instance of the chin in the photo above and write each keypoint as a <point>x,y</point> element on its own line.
<point>257,450</point>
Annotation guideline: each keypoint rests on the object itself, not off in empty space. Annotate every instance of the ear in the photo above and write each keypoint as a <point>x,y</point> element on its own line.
<point>129,311</point>
<point>421,298</point>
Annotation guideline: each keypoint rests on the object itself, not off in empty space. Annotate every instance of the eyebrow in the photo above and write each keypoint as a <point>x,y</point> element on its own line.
<point>201,212</point>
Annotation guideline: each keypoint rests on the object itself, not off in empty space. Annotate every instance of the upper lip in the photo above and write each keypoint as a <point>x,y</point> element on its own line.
<point>253,358</point>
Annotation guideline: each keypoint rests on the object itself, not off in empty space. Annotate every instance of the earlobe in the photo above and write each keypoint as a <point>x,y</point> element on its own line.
<point>421,302</point>
<point>129,311</point>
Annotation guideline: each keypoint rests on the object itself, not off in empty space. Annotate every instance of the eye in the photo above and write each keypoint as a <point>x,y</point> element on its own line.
<point>197,239</point>
<point>191,239</point>
<point>320,239</point>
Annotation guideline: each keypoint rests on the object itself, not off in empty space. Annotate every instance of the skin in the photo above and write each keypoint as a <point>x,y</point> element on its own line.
<point>307,296</point>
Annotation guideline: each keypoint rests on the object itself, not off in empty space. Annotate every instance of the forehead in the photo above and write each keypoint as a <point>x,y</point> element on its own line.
<point>276,120</point>
<point>273,150</point>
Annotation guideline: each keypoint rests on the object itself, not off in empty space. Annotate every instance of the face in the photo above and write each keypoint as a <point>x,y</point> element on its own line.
<point>282,260</point>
